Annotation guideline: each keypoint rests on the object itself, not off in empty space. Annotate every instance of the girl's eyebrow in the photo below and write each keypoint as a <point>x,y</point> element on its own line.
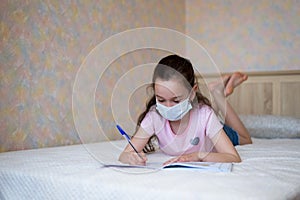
<point>176,97</point>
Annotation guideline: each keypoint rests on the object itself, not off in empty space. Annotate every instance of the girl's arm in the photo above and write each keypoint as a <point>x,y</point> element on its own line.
<point>225,152</point>
<point>129,156</point>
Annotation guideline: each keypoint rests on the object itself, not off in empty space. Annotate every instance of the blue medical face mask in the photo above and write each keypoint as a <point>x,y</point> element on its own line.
<point>175,112</point>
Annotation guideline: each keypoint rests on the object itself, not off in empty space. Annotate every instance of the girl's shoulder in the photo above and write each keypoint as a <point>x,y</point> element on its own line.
<point>203,108</point>
<point>202,112</point>
<point>153,121</point>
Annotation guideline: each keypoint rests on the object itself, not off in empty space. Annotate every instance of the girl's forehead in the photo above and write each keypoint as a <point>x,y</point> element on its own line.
<point>171,87</point>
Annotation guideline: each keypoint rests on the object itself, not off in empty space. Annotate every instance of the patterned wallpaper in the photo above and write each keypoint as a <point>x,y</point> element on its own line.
<point>44,42</point>
<point>247,35</point>
<point>42,45</point>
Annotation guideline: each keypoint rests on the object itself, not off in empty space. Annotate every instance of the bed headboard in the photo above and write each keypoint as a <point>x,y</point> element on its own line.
<point>267,93</point>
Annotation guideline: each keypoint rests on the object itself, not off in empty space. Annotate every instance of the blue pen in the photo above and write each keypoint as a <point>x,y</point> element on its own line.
<point>124,134</point>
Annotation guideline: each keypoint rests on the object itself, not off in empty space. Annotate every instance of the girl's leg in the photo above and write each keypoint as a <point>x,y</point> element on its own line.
<point>220,91</point>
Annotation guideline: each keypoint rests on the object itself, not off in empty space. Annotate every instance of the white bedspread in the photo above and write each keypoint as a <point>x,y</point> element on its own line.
<point>270,170</point>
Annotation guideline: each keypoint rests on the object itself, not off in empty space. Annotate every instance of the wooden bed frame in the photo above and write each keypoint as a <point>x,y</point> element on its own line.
<point>271,93</point>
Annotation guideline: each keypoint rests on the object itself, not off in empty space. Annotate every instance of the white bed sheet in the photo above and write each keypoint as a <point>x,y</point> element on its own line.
<point>270,170</point>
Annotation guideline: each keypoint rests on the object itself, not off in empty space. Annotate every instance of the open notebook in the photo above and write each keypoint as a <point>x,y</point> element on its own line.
<point>203,166</point>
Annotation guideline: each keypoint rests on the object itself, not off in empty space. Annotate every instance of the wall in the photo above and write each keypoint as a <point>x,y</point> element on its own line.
<point>247,35</point>
<point>42,45</point>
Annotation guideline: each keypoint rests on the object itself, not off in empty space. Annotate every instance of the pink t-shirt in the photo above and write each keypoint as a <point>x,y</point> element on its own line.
<point>203,125</point>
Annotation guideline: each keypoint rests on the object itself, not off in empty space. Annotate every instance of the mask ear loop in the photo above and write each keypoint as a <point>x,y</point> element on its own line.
<point>193,90</point>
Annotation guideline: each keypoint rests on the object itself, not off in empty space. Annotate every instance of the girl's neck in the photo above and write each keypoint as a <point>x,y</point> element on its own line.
<point>178,127</point>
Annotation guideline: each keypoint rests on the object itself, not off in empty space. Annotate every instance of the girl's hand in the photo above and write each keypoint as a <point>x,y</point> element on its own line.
<point>192,157</point>
<point>132,158</point>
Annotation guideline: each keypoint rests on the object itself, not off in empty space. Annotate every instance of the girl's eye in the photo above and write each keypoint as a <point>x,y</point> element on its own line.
<point>176,101</point>
<point>160,100</point>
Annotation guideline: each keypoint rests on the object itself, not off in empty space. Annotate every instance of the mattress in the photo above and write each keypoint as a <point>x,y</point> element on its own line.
<point>270,169</point>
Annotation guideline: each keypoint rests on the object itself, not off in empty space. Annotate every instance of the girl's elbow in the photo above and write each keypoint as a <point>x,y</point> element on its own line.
<point>237,159</point>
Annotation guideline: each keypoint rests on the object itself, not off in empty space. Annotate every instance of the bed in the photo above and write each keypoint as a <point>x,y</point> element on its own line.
<point>270,167</point>
<point>270,170</point>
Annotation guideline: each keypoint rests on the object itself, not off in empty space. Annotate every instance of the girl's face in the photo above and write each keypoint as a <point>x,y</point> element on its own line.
<point>171,92</point>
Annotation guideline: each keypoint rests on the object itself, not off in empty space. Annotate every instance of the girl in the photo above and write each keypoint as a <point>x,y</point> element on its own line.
<point>183,120</point>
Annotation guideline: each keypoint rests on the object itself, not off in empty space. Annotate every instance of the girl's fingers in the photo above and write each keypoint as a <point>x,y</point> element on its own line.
<point>171,161</point>
<point>141,158</point>
<point>144,158</point>
<point>135,159</point>
<point>183,158</point>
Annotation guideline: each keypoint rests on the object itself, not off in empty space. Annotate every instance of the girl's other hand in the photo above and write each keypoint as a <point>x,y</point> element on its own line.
<point>192,157</point>
<point>132,158</point>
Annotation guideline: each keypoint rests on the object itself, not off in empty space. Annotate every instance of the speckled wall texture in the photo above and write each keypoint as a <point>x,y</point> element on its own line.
<point>44,42</point>
<point>42,45</point>
<point>247,35</point>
